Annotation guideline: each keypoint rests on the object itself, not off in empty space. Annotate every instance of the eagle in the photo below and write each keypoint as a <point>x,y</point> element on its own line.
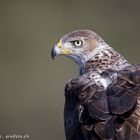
<point>103,101</point>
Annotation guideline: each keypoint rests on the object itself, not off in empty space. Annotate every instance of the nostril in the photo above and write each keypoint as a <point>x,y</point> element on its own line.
<point>59,46</point>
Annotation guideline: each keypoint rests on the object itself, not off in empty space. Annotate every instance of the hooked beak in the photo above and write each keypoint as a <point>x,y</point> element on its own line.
<point>58,50</point>
<point>55,52</point>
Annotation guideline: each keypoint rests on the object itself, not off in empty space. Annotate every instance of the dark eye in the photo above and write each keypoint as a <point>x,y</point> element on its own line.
<point>77,43</point>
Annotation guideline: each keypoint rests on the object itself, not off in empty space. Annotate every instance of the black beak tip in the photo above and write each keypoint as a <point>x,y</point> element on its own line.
<point>52,54</point>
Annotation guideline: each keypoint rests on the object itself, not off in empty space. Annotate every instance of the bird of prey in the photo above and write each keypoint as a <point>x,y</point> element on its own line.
<point>103,102</point>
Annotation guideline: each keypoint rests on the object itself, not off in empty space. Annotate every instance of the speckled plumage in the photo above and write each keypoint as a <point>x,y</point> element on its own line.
<point>95,52</point>
<point>103,102</point>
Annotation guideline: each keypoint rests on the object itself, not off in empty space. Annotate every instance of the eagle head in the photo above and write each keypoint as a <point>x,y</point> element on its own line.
<point>78,45</point>
<point>89,51</point>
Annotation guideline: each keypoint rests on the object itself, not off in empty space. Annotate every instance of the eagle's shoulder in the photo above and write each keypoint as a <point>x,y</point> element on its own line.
<point>111,112</point>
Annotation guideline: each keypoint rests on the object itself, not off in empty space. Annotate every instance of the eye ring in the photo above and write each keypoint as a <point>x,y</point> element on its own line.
<point>77,43</point>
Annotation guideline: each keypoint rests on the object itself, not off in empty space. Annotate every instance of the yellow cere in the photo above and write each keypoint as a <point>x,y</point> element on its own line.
<point>59,44</point>
<point>63,51</point>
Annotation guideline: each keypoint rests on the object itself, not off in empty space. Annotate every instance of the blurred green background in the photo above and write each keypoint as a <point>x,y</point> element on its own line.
<point>31,84</point>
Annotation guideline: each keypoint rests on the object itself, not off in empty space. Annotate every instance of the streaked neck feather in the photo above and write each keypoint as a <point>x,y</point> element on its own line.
<point>102,58</point>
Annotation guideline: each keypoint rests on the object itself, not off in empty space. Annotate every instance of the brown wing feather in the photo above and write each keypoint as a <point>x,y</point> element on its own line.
<point>92,113</point>
<point>131,127</point>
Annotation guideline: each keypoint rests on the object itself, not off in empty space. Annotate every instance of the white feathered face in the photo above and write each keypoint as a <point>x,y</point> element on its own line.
<point>76,44</point>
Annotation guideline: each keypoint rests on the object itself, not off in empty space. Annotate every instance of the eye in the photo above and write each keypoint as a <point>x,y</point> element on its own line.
<point>77,43</point>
